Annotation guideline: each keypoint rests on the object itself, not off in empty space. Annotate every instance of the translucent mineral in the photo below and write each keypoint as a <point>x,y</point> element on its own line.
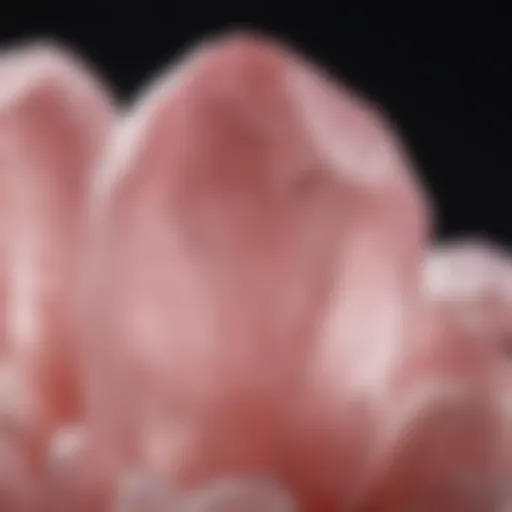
<point>55,118</point>
<point>447,444</point>
<point>258,233</point>
<point>235,278</point>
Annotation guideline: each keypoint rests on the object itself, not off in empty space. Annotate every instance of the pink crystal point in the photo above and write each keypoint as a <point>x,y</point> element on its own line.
<point>54,121</point>
<point>258,238</point>
<point>449,446</point>
<point>472,280</point>
<point>477,294</point>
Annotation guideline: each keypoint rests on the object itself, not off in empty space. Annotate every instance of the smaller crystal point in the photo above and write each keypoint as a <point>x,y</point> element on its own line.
<point>55,119</point>
<point>471,280</point>
<point>450,446</point>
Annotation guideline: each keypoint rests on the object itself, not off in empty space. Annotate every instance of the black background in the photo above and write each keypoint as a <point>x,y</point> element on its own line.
<point>441,73</point>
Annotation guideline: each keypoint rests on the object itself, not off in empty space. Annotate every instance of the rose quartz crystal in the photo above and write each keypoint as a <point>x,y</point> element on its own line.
<point>250,321</point>
<point>54,121</point>
<point>448,443</point>
<point>257,237</point>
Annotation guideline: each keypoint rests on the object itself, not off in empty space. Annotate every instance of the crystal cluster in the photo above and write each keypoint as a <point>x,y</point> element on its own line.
<point>225,299</point>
